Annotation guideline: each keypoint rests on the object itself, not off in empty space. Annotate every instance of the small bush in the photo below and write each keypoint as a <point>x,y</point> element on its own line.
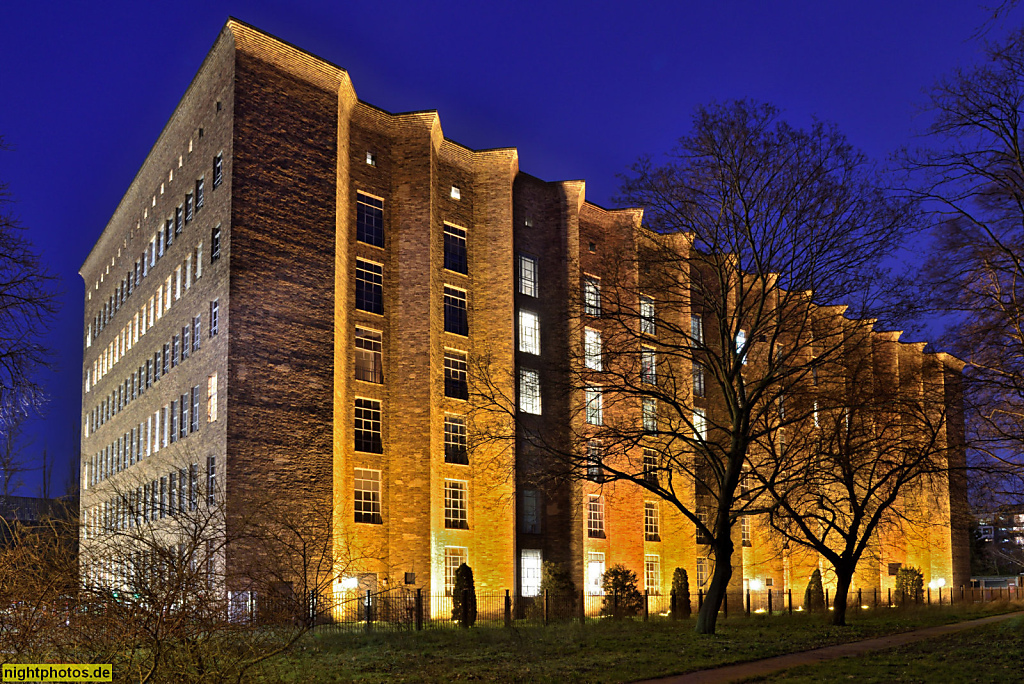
<point>463,584</point>
<point>680,606</point>
<point>909,585</point>
<point>621,597</point>
<point>814,597</point>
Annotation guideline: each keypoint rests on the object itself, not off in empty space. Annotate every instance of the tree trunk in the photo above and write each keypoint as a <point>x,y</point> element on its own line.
<point>844,578</point>
<point>708,615</point>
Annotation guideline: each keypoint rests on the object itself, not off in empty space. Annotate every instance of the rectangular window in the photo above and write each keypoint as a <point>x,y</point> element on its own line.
<point>595,455</point>
<point>592,349</point>
<point>218,170</point>
<point>529,391</point>
<point>188,207</point>
<point>527,276</point>
<point>745,529</point>
<point>368,426</point>
<point>367,497</point>
<point>455,255</point>
<point>594,405</point>
<point>179,222</point>
<point>181,490</point>
<point>595,573</point>
<point>184,420</point>
<point>211,398</point>
<point>214,245</point>
<point>200,185</point>
<point>698,379</point>
<point>649,409</point>
<point>169,232</point>
<point>167,359</point>
<point>702,572</point>
<point>591,296</point>
<point>696,331</point>
<point>652,573</point>
<point>741,343</point>
<point>197,329</point>
<point>194,424</point>
<point>175,348</point>
<point>163,497</point>
<point>369,356</point>
<point>214,317</point>
<point>647,316</point>
<point>700,424</point>
<point>193,486</point>
<point>455,450</point>
<point>456,315</point>
<point>211,480</point>
<point>595,517</point>
<point>174,422</point>
<point>369,220</point>
<point>529,571</point>
<point>456,505</point>
<point>531,511</point>
<point>814,414</point>
<point>456,384</point>
<point>369,286</point>
<point>648,366</point>
<point>454,556</point>
<point>652,522</point>
<point>650,466</point>
<point>704,516</point>
<point>529,332</point>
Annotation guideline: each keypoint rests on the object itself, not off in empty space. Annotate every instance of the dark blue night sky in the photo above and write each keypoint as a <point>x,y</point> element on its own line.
<point>581,89</point>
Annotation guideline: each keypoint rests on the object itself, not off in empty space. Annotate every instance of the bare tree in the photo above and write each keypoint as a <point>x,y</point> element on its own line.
<point>12,461</point>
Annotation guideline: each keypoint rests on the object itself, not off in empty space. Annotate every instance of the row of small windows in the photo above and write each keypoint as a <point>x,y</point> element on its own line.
<point>596,521</point>
<point>172,422</point>
<point>366,500</point>
<point>175,352</point>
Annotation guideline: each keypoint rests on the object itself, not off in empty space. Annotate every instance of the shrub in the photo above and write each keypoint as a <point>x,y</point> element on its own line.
<point>621,597</point>
<point>556,580</point>
<point>909,585</point>
<point>814,597</point>
<point>464,584</point>
<point>680,606</point>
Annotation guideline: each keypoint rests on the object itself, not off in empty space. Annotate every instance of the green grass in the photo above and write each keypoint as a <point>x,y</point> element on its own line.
<point>601,651</point>
<point>991,653</point>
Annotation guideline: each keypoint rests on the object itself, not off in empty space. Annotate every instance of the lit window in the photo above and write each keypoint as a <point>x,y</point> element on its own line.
<point>455,447</point>
<point>815,414</point>
<point>456,385</point>
<point>591,296</point>
<point>369,356</point>
<point>529,571</point>
<point>652,522</point>
<point>648,367</point>
<point>454,556</point>
<point>368,426</point>
<point>696,330</point>
<point>741,343</point>
<point>367,496</point>
<point>211,398</point>
<point>595,455</point>
<point>594,405</point>
<point>650,466</point>
<point>369,286</point>
<point>529,332</point>
<point>650,415</point>
<point>702,572</point>
<point>595,573</point>
<point>745,529</point>
<point>698,379</point>
<point>371,158</point>
<point>456,193</point>
<point>647,316</point>
<point>456,316</point>
<point>527,276</point>
<point>531,511</point>
<point>595,516</point>
<point>369,220</point>
<point>455,254</point>
<point>456,505</point>
<point>592,349</point>
<point>700,424</point>
<point>652,573</point>
<point>529,391</point>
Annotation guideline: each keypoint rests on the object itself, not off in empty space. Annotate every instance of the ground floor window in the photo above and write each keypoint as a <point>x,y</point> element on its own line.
<point>529,571</point>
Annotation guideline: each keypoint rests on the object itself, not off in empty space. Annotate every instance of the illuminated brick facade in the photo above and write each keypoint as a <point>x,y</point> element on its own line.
<point>362,261</point>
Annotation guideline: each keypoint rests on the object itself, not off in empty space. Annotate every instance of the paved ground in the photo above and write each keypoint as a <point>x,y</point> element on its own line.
<point>758,668</point>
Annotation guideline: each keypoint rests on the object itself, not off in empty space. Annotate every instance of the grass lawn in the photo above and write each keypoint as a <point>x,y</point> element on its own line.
<point>992,653</point>
<point>601,651</point>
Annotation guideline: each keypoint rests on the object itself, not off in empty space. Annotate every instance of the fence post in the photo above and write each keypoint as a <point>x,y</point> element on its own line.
<point>875,592</point>
<point>860,598</point>
<point>369,616</point>
<point>827,604</point>
<point>419,610</point>
<point>770,592</point>
<point>748,602</point>
<point>672,608</point>
<point>962,593</point>
<point>647,596</point>
<point>890,597</point>
<point>790,592</point>
<point>465,609</point>
<point>700,599</point>
<point>508,608</point>
<point>545,607</point>
<point>583,607</point>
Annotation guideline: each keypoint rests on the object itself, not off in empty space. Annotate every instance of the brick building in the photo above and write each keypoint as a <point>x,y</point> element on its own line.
<point>289,298</point>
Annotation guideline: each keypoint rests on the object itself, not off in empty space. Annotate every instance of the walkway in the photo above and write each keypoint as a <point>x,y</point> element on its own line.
<point>759,668</point>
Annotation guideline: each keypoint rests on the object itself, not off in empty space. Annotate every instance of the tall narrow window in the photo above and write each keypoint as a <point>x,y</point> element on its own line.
<point>529,391</point>
<point>214,245</point>
<point>529,332</point>
<point>197,329</point>
<point>211,480</point>
<point>652,573</point>
<point>454,556</point>
<point>456,505</point>
<point>595,517</point>
<point>527,276</point>
<point>211,398</point>
<point>591,296</point>
<point>369,286</point>
<point>698,379</point>
<point>368,426</point>
<point>456,257</point>
<point>530,571</point>
<point>218,170</point>
<point>649,410</point>
<point>193,487</point>
<point>456,315</point>
<point>592,349</point>
<point>369,220</point>
<point>741,344</point>
<point>700,424</point>
<point>595,573</point>
<point>214,317</point>
<point>696,331</point>
<point>650,473</point>
<point>647,316</point>
<point>455,450</point>
<point>531,511</point>
<point>185,413</point>
<point>369,356</point>
<point>366,499</point>
<point>814,414</point>
<point>456,385</point>
<point>702,572</point>
<point>194,425</point>
<point>179,224</point>
<point>188,207</point>
<point>745,529</point>
<point>200,185</point>
<point>648,367</point>
<point>594,405</point>
<point>652,522</point>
